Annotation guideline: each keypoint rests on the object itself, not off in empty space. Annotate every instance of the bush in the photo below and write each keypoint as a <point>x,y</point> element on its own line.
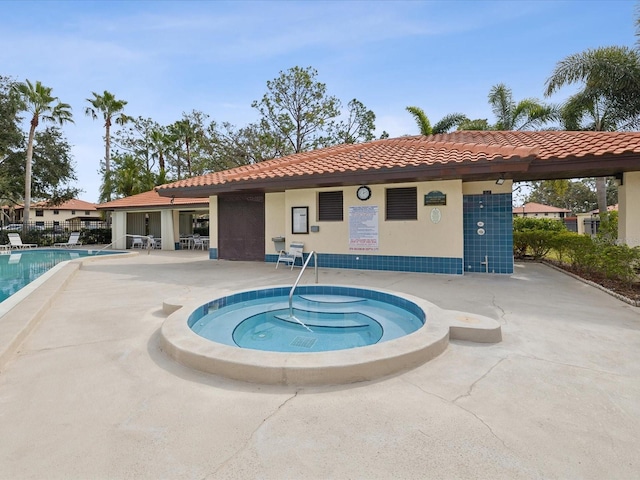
<point>521,224</point>
<point>580,250</point>
<point>535,236</point>
<point>618,262</point>
<point>92,236</point>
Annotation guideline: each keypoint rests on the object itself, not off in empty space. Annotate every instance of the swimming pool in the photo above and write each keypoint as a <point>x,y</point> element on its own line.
<point>18,268</point>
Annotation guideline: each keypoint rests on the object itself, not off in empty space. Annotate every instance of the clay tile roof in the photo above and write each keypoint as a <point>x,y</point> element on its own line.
<point>396,154</point>
<point>150,199</point>
<point>533,207</point>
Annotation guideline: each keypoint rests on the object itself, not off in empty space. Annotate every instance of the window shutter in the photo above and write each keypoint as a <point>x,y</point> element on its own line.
<point>330,206</point>
<point>402,203</point>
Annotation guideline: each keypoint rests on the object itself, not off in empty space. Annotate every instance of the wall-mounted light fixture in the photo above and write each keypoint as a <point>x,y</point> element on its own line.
<point>500,181</point>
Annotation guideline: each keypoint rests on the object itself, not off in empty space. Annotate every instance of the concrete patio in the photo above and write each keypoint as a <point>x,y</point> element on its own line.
<point>90,395</point>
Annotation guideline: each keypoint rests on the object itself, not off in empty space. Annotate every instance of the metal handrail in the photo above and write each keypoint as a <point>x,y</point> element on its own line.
<point>315,264</point>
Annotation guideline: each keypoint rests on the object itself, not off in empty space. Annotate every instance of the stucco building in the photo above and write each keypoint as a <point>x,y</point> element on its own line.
<point>438,204</point>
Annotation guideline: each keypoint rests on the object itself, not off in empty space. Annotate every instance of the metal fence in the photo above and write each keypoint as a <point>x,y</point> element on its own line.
<point>45,233</point>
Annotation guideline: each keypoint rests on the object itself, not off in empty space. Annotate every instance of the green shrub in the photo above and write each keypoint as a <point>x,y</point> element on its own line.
<point>581,251</point>
<point>535,236</point>
<point>618,262</point>
<point>521,224</point>
<point>560,244</point>
<point>92,236</point>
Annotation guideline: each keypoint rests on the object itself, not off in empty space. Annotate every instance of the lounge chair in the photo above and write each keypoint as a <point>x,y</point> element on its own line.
<point>74,240</point>
<point>16,241</point>
<point>295,252</point>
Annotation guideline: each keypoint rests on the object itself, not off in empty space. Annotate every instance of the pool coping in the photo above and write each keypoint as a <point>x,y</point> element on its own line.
<point>21,313</point>
<point>319,368</point>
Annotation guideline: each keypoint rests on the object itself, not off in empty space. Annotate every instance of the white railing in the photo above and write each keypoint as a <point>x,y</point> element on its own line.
<point>304,266</point>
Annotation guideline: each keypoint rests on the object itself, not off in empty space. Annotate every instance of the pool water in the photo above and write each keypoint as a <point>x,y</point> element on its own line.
<point>325,321</point>
<point>18,268</point>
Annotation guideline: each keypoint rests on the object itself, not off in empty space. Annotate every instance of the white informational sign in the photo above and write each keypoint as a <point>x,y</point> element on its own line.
<point>363,228</point>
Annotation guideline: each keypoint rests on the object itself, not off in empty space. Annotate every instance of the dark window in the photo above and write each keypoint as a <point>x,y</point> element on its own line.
<point>39,213</point>
<point>56,212</point>
<point>402,203</point>
<point>73,212</point>
<point>330,206</point>
<point>87,212</point>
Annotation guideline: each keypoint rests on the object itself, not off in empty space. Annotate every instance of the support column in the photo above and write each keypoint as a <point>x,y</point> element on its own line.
<point>628,211</point>
<point>168,230</point>
<point>119,230</point>
<point>213,227</point>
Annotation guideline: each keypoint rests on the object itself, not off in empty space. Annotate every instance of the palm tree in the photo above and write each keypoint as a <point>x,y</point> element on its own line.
<point>187,132</point>
<point>447,123</point>
<point>526,114</point>
<point>608,100</point>
<point>160,143</point>
<point>38,101</point>
<point>110,107</point>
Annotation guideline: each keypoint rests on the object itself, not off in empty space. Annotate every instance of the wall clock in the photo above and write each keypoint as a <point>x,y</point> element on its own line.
<point>364,193</point>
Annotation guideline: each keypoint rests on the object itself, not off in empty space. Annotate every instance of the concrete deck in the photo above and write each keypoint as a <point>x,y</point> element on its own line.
<point>89,394</point>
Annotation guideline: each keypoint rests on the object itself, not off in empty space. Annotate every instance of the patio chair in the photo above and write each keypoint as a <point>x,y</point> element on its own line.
<point>295,252</point>
<point>198,242</point>
<point>137,242</point>
<point>155,243</point>
<point>74,240</point>
<point>16,241</point>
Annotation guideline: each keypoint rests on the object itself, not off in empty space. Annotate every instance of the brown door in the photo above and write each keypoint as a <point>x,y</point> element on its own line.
<point>241,227</point>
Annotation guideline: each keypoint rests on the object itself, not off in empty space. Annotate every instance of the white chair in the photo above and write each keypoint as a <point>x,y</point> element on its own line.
<point>74,240</point>
<point>137,242</point>
<point>16,241</point>
<point>155,243</point>
<point>295,252</point>
<point>198,242</point>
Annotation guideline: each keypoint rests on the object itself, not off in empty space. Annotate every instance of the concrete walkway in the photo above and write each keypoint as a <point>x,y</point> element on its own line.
<point>90,395</point>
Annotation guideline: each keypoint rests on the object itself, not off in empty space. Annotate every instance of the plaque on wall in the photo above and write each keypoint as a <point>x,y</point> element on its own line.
<point>435,197</point>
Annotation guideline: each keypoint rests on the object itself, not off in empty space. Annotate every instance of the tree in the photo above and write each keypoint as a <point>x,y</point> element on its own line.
<point>358,127</point>
<point>579,196</point>
<point>130,176</point>
<point>523,115</point>
<point>446,124</point>
<point>296,110</point>
<point>608,99</point>
<point>38,101</point>
<point>424,125</point>
<point>111,110</point>
<point>187,132</point>
<point>53,167</point>
<point>609,78</point>
<point>11,138</point>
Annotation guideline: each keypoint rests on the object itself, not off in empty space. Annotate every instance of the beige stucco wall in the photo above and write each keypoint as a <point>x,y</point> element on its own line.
<point>628,211</point>
<point>62,216</point>
<point>420,237</point>
<point>275,224</point>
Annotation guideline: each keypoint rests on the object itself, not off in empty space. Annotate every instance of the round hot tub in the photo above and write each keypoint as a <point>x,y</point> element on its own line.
<point>329,335</point>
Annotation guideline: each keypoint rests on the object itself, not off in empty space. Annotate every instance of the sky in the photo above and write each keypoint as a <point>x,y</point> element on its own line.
<point>169,57</point>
